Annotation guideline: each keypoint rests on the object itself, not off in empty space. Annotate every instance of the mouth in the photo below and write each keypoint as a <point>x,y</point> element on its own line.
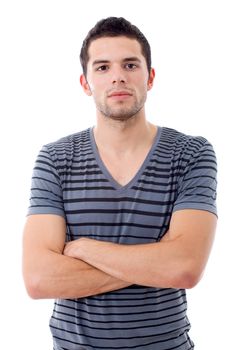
<point>120,94</point>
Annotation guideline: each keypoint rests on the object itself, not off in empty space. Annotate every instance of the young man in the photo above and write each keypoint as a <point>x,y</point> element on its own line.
<point>122,215</point>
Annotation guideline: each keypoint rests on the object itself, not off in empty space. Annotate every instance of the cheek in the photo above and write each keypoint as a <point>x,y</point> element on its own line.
<point>98,89</point>
<point>139,81</point>
<point>95,86</point>
<point>142,87</point>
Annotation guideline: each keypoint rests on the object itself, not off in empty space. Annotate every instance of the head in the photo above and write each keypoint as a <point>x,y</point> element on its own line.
<point>117,72</point>
<point>114,27</point>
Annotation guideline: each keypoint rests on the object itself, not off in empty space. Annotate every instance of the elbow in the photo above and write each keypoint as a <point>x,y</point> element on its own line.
<point>187,279</point>
<point>190,280</point>
<point>33,286</point>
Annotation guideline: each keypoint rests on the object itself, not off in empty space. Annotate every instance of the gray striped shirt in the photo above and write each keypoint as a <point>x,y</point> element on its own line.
<point>70,179</point>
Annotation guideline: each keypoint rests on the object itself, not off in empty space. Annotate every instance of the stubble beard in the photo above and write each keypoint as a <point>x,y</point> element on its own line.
<point>121,112</point>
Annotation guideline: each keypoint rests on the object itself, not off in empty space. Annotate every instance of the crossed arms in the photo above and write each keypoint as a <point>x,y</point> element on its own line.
<point>85,267</point>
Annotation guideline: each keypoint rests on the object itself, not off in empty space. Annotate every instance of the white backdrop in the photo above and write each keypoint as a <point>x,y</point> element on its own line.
<point>41,100</point>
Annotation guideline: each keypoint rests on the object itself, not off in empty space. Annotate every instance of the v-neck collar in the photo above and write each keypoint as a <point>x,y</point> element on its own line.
<point>106,172</point>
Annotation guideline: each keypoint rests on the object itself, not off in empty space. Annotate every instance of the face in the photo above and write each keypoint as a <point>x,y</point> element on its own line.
<point>117,77</point>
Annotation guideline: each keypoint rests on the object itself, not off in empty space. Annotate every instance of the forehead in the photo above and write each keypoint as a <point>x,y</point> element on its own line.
<point>114,48</point>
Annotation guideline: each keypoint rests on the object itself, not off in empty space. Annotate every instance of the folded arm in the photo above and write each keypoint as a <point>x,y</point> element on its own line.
<point>177,261</point>
<point>48,273</point>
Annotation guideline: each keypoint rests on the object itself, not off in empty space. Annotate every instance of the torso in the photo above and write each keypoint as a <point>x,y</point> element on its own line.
<point>71,179</point>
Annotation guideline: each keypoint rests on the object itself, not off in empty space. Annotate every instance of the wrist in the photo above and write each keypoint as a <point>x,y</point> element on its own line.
<point>90,250</point>
<point>82,248</point>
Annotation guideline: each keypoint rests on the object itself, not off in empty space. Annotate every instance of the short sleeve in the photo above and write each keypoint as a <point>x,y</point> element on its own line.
<point>46,191</point>
<point>197,186</point>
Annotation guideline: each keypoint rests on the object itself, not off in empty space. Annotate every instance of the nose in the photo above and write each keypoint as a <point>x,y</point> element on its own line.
<point>118,75</point>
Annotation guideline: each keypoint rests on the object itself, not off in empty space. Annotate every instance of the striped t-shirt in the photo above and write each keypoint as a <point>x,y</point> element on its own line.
<point>70,179</point>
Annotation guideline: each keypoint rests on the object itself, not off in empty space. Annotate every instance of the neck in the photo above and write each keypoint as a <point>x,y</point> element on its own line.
<point>124,137</point>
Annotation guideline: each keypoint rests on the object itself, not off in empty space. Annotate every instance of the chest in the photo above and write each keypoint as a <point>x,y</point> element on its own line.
<point>123,169</point>
<point>139,212</point>
<point>120,199</point>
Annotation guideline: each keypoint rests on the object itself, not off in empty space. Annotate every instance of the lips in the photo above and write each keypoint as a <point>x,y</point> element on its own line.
<point>119,94</point>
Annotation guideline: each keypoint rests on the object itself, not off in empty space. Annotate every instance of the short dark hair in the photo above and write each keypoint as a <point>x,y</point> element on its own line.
<point>113,27</point>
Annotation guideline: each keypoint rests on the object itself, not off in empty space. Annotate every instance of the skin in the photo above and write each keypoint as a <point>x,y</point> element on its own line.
<point>118,80</point>
<point>50,274</point>
<point>177,261</point>
<point>123,139</point>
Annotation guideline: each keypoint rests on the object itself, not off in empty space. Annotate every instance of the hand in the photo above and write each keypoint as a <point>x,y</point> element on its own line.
<point>74,248</point>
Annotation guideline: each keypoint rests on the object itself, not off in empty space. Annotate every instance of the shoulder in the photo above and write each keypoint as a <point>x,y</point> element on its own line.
<point>60,154</point>
<point>69,140</point>
<point>67,145</point>
<point>182,143</point>
<point>177,137</point>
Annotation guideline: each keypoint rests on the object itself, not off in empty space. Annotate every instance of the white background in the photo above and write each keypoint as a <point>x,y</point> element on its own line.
<point>41,100</point>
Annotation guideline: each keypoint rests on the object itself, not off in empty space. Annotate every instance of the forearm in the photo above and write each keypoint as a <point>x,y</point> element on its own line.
<point>177,261</point>
<point>140,264</point>
<point>156,264</point>
<point>57,276</point>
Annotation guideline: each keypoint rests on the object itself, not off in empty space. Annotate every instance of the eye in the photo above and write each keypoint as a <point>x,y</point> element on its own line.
<point>130,66</point>
<point>102,68</point>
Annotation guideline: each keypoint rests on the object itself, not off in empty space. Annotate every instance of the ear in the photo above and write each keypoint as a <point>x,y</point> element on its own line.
<point>85,85</point>
<point>151,79</point>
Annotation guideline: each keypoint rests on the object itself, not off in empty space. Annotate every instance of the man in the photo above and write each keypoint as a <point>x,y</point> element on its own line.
<point>122,215</point>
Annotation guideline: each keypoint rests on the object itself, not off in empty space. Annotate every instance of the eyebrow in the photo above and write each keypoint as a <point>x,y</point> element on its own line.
<point>127,59</point>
